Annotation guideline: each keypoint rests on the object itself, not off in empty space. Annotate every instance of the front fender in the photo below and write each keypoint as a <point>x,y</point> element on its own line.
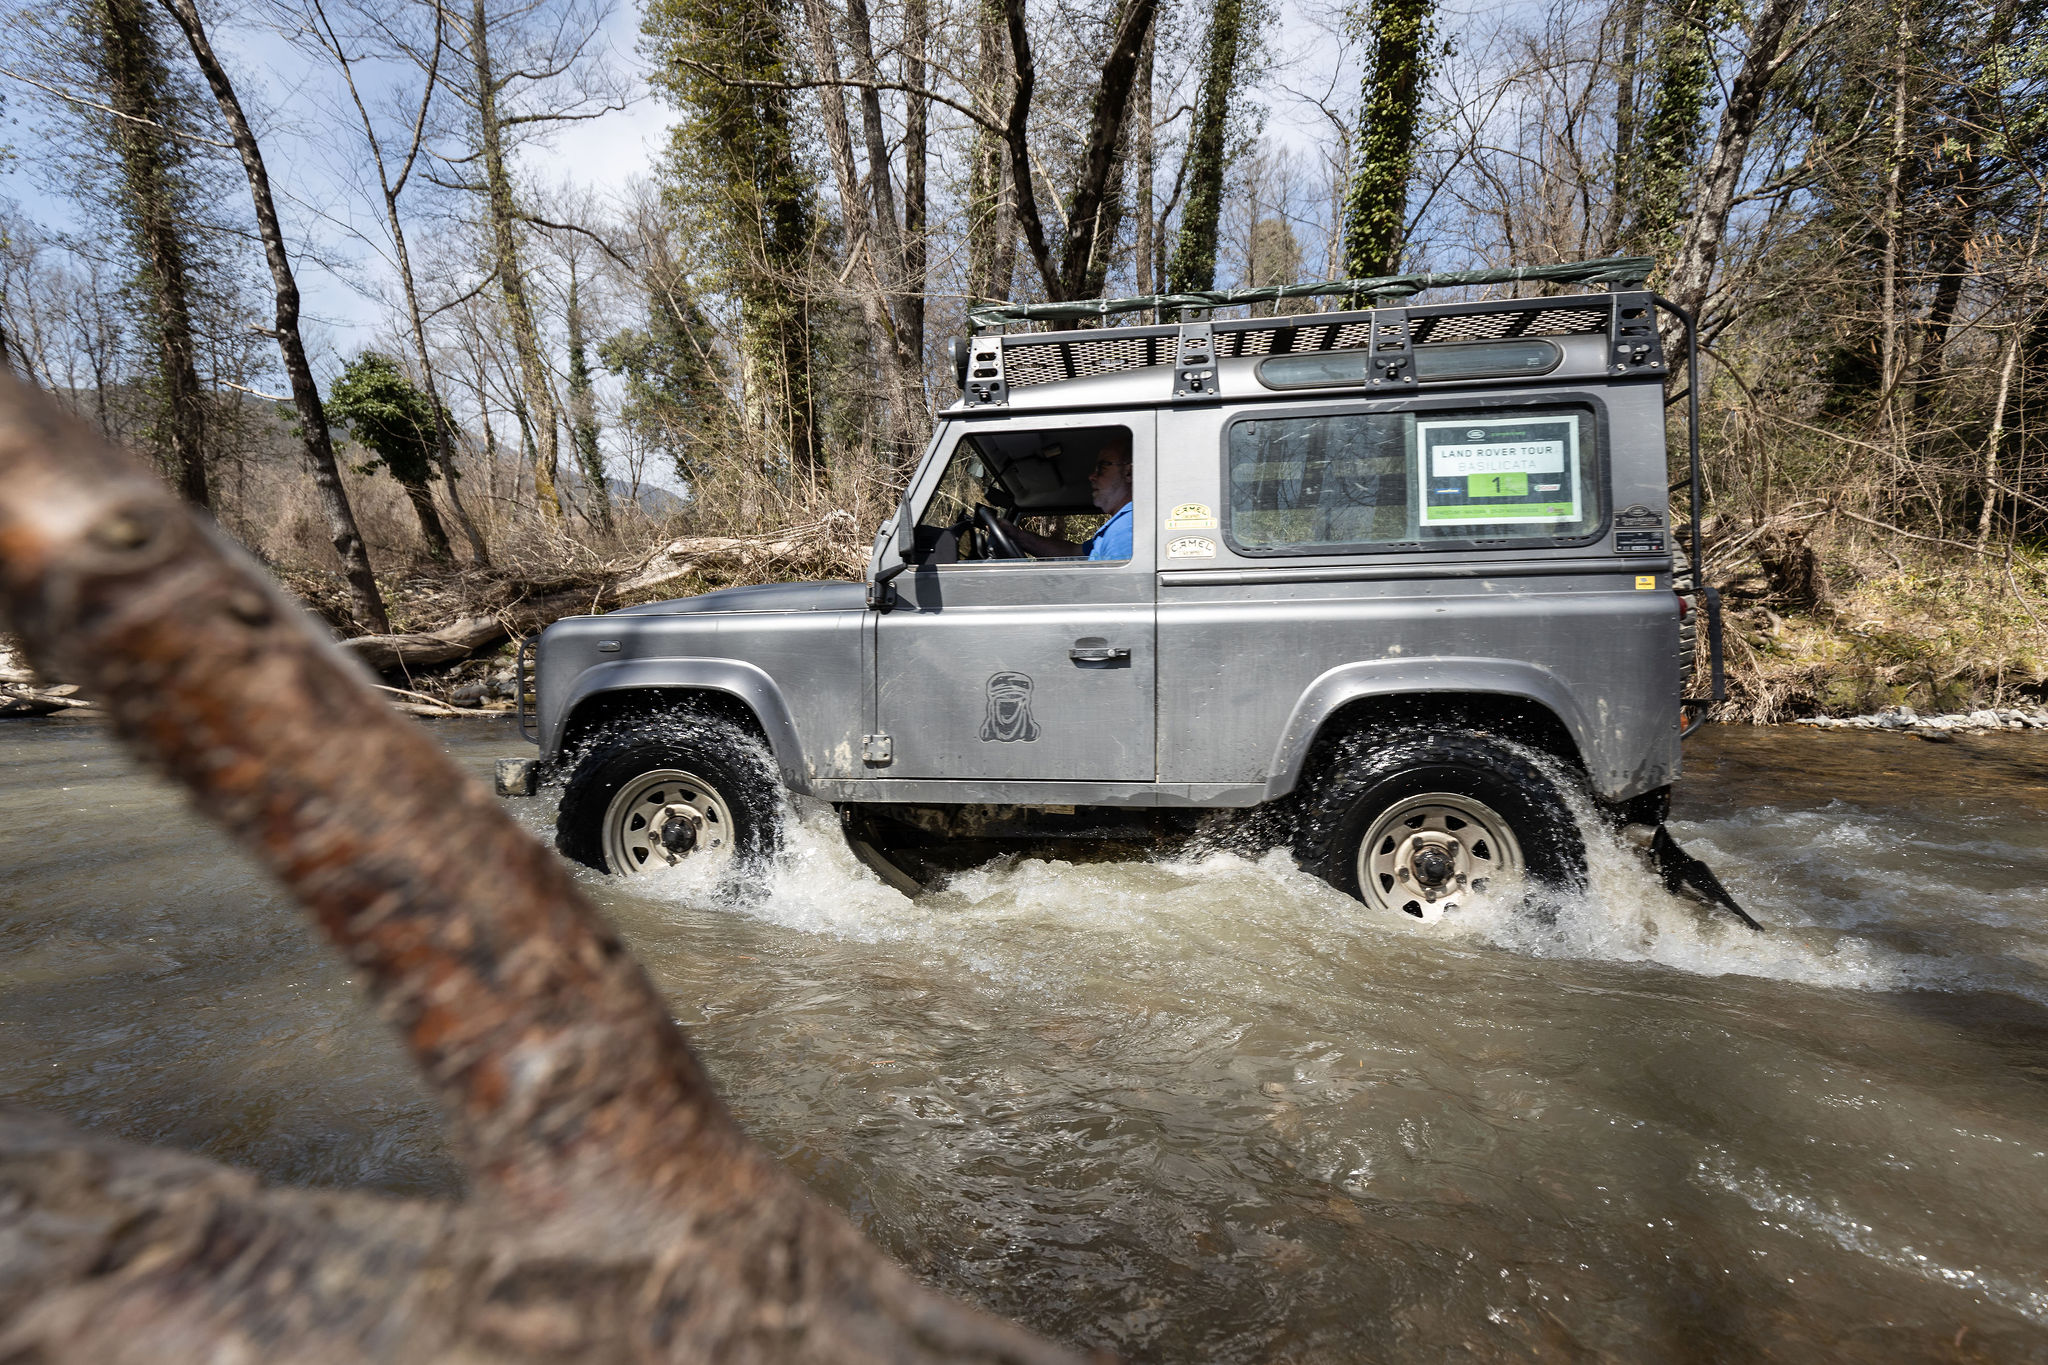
<point>1351,682</point>
<point>736,678</point>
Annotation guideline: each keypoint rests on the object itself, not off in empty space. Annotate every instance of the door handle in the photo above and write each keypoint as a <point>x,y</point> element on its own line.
<point>1096,652</point>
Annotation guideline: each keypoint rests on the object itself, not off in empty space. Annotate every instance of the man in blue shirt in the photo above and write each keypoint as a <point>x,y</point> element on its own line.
<point>1111,484</point>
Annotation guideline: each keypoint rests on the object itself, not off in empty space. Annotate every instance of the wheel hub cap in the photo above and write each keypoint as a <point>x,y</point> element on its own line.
<point>665,818</point>
<point>1428,853</point>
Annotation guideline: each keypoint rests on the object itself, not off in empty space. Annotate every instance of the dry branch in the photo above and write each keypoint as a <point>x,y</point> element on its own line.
<point>616,1209</point>
<point>796,551</point>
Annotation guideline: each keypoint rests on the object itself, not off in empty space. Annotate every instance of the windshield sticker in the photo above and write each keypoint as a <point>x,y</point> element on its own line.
<point>1497,470</point>
<point>1191,547</point>
<point>1191,516</point>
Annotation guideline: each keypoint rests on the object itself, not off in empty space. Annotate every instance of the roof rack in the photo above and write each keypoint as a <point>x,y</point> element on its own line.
<point>993,362</point>
<point>1625,271</point>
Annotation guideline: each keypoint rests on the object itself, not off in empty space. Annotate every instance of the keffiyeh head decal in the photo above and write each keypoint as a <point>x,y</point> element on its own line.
<point>1007,718</point>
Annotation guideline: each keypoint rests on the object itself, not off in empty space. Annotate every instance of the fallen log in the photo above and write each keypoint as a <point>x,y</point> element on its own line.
<point>24,703</point>
<point>615,1210</point>
<point>795,552</point>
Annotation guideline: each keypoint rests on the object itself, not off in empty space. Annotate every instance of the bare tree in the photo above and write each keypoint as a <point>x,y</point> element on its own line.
<point>365,600</point>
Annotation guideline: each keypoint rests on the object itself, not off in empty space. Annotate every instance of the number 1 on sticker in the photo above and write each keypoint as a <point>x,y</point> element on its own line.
<point>1496,485</point>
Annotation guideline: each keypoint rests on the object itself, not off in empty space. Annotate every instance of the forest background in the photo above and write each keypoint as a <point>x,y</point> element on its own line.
<point>523,389</point>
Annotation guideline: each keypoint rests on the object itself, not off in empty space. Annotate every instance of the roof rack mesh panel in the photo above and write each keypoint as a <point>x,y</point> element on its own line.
<point>1046,362</point>
<point>1494,326</point>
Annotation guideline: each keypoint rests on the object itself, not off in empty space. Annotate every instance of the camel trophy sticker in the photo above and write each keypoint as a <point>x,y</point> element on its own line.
<point>1008,716</point>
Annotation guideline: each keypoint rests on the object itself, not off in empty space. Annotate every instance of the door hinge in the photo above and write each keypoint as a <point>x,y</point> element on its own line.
<point>877,751</point>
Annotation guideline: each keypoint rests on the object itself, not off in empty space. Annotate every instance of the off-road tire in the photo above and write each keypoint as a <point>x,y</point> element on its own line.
<point>1374,771</point>
<point>714,750</point>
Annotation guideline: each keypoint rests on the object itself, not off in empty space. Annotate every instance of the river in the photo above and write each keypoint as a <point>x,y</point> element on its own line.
<point>1201,1108</point>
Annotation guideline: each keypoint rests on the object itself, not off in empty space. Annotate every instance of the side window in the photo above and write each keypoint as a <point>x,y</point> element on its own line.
<point>1050,492</point>
<point>1340,481</point>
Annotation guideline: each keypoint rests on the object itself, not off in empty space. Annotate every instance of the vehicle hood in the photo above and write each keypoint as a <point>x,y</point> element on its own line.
<point>761,597</point>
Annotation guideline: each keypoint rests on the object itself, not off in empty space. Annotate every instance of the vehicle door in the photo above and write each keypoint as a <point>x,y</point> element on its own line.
<point>1027,669</point>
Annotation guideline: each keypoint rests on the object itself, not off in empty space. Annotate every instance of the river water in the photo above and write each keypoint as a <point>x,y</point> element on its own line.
<point>1201,1108</point>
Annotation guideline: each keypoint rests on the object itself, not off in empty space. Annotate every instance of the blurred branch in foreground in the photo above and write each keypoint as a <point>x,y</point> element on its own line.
<point>616,1209</point>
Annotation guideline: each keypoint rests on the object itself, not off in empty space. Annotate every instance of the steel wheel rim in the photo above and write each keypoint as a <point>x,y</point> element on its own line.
<point>638,817</point>
<point>1429,853</point>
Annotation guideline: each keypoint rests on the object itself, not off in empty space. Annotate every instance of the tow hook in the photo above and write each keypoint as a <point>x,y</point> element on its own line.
<point>1683,874</point>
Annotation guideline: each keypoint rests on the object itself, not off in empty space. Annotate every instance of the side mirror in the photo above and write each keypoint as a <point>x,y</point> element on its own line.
<point>906,534</point>
<point>904,542</point>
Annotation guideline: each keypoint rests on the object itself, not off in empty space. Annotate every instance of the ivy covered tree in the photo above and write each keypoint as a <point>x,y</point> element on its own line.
<point>149,115</point>
<point>391,418</point>
<point>734,173</point>
<point>1402,42</point>
<point>1194,253</point>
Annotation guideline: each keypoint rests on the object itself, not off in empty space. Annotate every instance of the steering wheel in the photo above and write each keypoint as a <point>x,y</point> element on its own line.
<point>1000,544</point>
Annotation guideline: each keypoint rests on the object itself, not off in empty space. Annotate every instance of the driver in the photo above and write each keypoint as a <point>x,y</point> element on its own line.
<point>1111,484</point>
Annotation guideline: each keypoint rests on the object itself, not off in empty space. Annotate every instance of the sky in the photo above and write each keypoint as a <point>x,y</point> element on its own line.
<point>308,129</point>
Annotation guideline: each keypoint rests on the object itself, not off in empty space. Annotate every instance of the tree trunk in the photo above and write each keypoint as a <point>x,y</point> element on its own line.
<point>1144,165</point>
<point>867,283</point>
<point>1106,121</point>
<point>1891,362</point>
<point>1024,81</point>
<point>1621,189</point>
<point>136,81</point>
<point>533,375</point>
<point>444,435</point>
<point>916,140</point>
<point>1194,253</point>
<point>422,499</point>
<point>1376,206</point>
<point>365,601</point>
<point>1665,148</point>
<point>1714,196</point>
<point>583,415</point>
<point>615,1210</point>
<point>985,163</point>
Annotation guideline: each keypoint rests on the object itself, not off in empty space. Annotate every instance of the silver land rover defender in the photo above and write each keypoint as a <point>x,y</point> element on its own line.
<point>1398,575</point>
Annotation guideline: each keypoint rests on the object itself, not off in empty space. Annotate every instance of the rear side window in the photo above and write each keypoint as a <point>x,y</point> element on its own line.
<point>1342,481</point>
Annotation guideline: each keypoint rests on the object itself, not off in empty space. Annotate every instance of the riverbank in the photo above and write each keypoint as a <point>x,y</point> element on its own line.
<point>1855,626</point>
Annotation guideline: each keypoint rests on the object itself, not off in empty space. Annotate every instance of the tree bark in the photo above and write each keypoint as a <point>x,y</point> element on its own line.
<point>583,432</point>
<point>1692,272</point>
<point>615,1210</point>
<point>1389,105</point>
<point>868,287</point>
<point>1665,146</point>
<point>1621,185</point>
<point>444,434</point>
<point>991,233</point>
<point>133,68</point>
<point>1108,115</point>
<point>1193,265</point>
<point>1144,165</point>
<point>533,375</point>
<point>1891,361</point>
<point>1017,134</point>
<point>916,172</point>
<point>365,600</point>
<point>422,499</point>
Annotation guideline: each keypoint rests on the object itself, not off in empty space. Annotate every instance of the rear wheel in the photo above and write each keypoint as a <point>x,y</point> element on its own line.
<point>1416,823</point>
<point>639,802</point>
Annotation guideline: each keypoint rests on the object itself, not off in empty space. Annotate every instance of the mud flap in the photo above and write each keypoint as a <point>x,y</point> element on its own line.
<point>1685,875</point>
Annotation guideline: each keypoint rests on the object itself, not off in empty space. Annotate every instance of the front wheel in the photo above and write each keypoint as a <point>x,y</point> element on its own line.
<point>638,802</point>
<point>1418,822</point>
